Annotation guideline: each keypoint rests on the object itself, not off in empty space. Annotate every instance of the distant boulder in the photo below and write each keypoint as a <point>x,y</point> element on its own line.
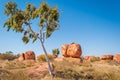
<point>107,57</point>
<point>28,55</point>
<point>72,50</point>
<point>90,58</point>
<point>116,58</point>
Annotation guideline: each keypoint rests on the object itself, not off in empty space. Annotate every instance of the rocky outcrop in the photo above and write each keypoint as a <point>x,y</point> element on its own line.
<point>107,57</point>
<point>72,50</point>
<point>28,55</point>
<point>116,58</point>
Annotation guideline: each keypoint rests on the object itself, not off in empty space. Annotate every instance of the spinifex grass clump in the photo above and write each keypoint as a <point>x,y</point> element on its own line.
<point>42,58</point>
<point>7,75</point>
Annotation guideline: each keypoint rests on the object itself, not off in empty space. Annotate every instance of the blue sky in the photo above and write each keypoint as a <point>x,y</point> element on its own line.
<point>94,24</point>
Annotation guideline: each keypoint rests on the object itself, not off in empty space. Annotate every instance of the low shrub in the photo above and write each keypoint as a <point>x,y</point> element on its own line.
<point>55,52</point>
<point>8,56</point>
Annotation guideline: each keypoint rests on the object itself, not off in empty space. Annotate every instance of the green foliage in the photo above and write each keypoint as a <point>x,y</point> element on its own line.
<point>55,52</point>
<point>42,58</point>
<point>8,56</point>
<point>20,20</point>
<point>10,8</point>
<point>25,39</point>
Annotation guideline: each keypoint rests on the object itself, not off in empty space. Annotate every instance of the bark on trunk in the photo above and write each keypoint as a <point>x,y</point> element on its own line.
<point>47,59</point>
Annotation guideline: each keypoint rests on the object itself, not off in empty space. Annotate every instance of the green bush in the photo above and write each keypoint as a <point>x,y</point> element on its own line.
<point>55,52</point>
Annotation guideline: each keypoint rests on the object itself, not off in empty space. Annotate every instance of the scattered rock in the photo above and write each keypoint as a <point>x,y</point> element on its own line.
<point>28,55</point>
<point>107,57</point>
<point>90,58</point>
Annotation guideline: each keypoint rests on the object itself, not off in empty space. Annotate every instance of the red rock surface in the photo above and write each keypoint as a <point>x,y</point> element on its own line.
<point>74,50</point>
<point>107,57</point>
<point>64,50</point>
<point>116,58</point>
<point>28,55</point>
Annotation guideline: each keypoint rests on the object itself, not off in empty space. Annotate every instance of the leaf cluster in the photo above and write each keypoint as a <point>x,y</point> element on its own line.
<point>55,52</point>
<point>20,20</point>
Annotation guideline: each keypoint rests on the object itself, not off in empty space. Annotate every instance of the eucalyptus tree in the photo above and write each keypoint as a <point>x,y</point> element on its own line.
<point>21,21</point>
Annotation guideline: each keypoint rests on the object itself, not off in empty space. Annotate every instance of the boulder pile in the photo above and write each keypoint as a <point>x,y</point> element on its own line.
<point>107,57</point>
<point>71,50</point>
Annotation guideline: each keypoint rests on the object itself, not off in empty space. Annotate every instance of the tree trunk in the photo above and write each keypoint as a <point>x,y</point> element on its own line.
<point>47,59</point>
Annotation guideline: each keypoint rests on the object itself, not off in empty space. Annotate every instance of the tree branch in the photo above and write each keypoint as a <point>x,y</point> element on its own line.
<point>31,29</point>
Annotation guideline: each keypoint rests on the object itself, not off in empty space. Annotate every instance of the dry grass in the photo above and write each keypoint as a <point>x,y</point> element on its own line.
<point>15,64</point>
<point>7,75</point>
<point>42,58</point>
<point>63,70</point>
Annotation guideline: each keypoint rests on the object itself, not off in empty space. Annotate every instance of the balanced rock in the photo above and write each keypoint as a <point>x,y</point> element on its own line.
<point>116,58</point>
<point>71,50</point>
<point>74,50</point>
<point>64,50</point>
<point>107,57</point>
